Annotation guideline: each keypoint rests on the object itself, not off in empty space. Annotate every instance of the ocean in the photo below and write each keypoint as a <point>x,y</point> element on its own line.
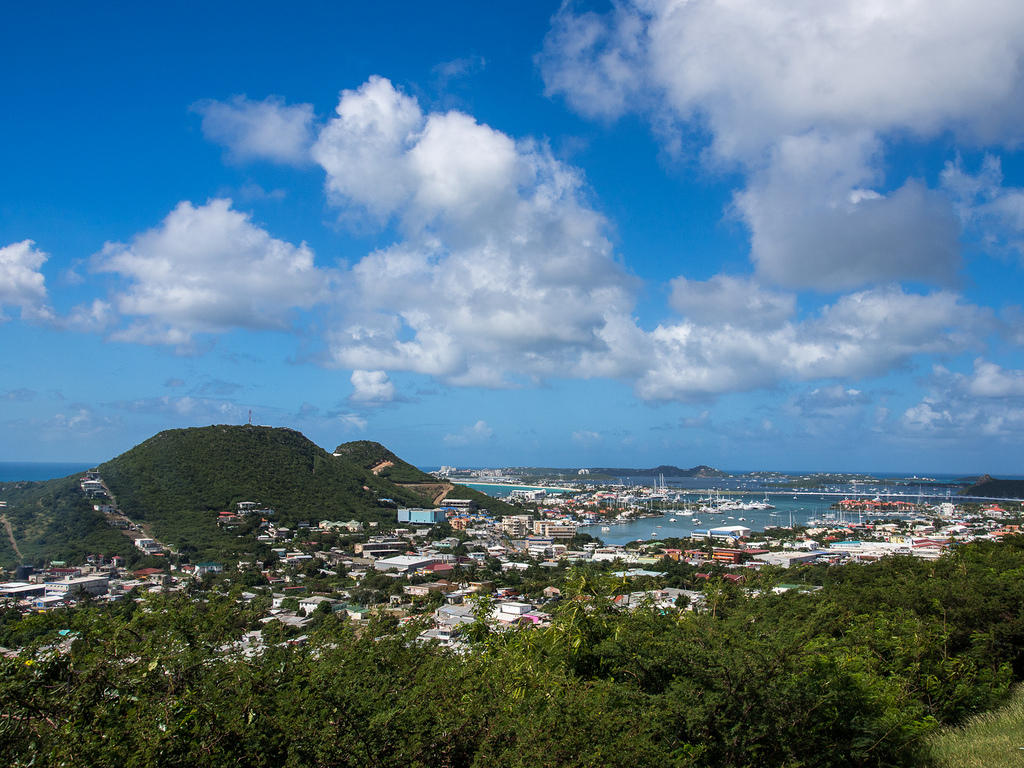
<point>39,470</point>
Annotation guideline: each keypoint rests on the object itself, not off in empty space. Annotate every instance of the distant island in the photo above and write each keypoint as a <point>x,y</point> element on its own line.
<point>668,470</point>
<point>590,474</point>
<point>988,486</point>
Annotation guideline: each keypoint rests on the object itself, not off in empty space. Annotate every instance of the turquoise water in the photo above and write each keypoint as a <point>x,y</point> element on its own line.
<point>798,510</point>
<point>788,509</point>
<point>39,470</point>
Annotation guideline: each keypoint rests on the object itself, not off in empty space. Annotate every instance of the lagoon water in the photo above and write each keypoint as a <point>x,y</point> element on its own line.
<point>802,509</point>
<point>789,508</point>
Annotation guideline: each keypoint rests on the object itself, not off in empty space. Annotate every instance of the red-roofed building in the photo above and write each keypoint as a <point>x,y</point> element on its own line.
<point>438,568</point>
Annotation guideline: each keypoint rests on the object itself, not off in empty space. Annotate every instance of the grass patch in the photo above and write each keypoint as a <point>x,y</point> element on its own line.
<point>990,740</point>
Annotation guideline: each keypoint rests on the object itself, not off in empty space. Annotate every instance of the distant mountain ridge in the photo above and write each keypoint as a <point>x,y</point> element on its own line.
<point>668,470</point>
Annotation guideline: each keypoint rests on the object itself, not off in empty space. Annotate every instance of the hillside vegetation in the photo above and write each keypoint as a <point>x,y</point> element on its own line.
<point>997,489</point>
<point>53,520</point>
<point>177,481</point>
<point>370,455</point>
<point>384,464</point>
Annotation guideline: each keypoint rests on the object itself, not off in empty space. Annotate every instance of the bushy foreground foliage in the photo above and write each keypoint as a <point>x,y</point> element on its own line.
<point>856,674</point>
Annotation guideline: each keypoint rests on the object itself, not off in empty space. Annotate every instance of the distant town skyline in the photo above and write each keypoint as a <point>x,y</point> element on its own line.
<point>786,236</point>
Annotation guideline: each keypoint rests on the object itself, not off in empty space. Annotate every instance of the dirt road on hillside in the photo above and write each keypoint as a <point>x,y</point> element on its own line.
<point>10,535</point>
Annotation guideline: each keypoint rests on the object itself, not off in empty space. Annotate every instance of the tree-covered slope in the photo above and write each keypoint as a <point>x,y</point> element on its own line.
<point>375,457</point>
<point>858,673</point>
<point>52,520</point>
<point>383,463</point>
<point>177,480</point>
<point>996,489</point>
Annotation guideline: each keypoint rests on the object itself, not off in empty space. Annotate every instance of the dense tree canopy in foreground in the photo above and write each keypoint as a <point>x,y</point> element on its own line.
<point>854,674</point>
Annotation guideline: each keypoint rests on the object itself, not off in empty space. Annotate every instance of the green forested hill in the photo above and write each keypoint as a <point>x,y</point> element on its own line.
<point>176,482</point>
<point>378,459</point>
<point>368,454</point>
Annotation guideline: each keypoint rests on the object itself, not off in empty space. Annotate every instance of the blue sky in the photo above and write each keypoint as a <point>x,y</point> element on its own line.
<point>747,234</point>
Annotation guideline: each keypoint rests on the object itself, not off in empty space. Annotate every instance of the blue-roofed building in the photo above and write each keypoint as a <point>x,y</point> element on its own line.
<point>421,516</point>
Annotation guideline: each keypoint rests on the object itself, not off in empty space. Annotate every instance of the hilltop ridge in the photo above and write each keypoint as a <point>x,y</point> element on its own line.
<point>381,461</point>
<point>176,482</point>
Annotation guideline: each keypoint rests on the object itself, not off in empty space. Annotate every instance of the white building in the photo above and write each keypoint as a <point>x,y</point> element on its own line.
<point>93,585</point>
<point>404,563</point>
<point>555,529</point>
<point>516,525</point>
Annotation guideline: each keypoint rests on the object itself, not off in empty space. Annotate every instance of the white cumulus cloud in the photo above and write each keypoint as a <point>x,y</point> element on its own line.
<point>993,211</point>
<point>476,433</point>
<point>259,130</point>
<point>22,285</point>
<point>504,273</point>
<point>816,223</point>
<point>209,269</point>
<point>733,300</point>
<point>372,387</point>
<point>859,336</point>
<point>987,403</point>
<point>353,421</point>
<point>754,71</point>
<point>801,96</point>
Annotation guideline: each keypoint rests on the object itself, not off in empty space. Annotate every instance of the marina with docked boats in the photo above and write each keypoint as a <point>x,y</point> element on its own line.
<point>641,508</point>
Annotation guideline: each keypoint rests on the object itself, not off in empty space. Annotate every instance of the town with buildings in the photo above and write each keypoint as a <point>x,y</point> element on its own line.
<point>457,564</point>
